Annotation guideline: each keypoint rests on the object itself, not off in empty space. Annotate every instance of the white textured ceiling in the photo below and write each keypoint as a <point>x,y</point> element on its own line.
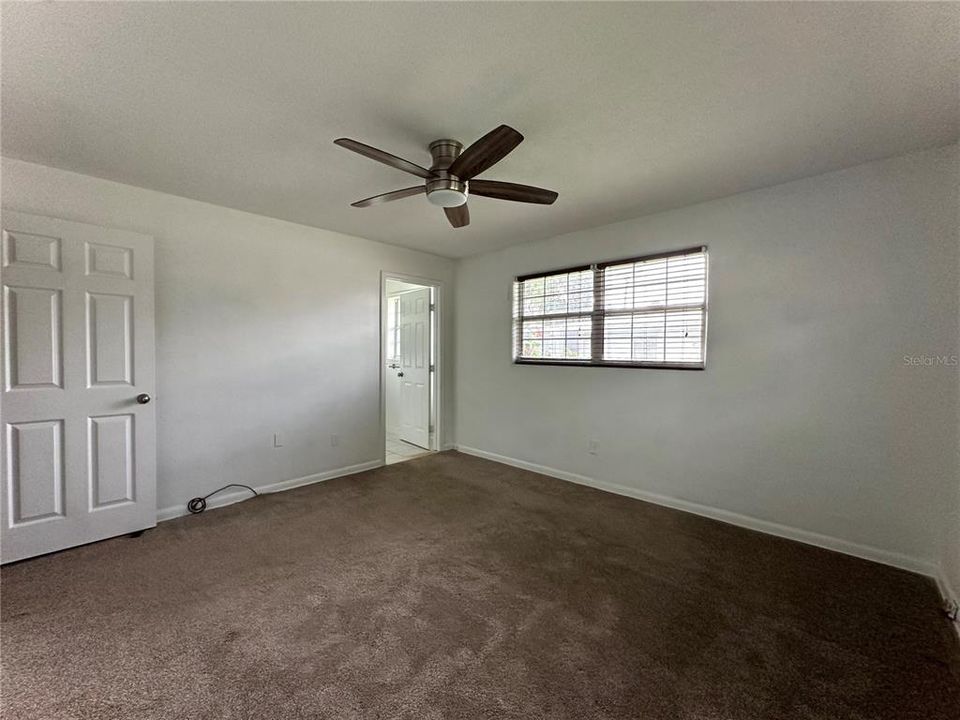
<point>626,108</point>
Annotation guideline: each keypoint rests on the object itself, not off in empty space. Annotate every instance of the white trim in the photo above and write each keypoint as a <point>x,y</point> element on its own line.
<point>846,547</point>
<point>229,498</point>
<point>949,594</point>
<point>440,310</point>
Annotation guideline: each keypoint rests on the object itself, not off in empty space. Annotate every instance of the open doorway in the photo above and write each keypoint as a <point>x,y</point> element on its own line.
<point>410,368</point>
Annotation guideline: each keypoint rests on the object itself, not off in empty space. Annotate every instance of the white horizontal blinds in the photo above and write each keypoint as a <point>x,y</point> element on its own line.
<point>654,311</point>
<point>552,316</point>
<point>644,311</point>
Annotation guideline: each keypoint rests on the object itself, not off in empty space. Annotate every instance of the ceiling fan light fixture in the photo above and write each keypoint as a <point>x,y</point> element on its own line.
<point>447,198</point>
<point>446,192</point>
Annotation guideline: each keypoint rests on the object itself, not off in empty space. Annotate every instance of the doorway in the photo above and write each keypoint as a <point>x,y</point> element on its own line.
<point>410,376</point>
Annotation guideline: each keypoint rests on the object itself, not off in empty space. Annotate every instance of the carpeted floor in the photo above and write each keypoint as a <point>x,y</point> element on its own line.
<point>454,587</point>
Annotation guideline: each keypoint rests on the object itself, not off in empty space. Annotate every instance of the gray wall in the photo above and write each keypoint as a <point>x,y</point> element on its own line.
<point>808,420</point>
<point>950,551</point>
<point>263,326</point>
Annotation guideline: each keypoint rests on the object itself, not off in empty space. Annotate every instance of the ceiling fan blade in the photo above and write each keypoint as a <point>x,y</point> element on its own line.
<point>393,195</point>
<point>384,157</point>
<point>458,216</point>
<point>485,152</point>
<point>512,191</point>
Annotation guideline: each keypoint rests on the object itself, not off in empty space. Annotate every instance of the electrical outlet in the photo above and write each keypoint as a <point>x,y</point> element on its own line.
<point>277,440</point>
<point>334,440</point>
<point>593,447</point>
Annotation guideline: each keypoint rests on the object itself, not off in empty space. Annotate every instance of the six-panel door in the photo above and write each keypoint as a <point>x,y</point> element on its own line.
<point>78,451</point>
<point>415,363</point>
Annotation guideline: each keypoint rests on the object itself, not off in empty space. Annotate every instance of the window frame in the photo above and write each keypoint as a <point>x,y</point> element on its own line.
<point>597,315</point>
<point>393,331</point>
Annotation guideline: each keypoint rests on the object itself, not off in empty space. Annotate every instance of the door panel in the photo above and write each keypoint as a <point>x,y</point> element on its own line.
<point>35,477</point>
<point>78,451</point>
<point>111,460</point>
<point>109,261</point>
<point>415,363</point>
<point>33,337</point>
<point>110,335</point>
<point>27,250</point>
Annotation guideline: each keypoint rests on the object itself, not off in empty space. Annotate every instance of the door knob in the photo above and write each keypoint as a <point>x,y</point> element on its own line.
<point>400,374</point>
<point>143,398</point>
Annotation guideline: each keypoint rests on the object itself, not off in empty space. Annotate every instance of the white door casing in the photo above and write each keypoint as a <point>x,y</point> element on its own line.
<point>415,366</point>
<point>78,452</point>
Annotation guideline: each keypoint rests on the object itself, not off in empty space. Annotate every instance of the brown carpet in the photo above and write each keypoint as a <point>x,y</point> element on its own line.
<point>453,587</point>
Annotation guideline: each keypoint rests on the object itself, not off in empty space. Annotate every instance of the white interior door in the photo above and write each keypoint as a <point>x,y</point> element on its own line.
<point>415,367</point>
<point>78,453</point>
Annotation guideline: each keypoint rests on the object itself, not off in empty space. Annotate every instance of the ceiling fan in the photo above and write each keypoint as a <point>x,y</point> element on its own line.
<point>450,178</point>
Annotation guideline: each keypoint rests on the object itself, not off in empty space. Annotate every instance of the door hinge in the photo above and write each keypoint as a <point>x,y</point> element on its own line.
<point>433,368</point>
<point>433,306</point>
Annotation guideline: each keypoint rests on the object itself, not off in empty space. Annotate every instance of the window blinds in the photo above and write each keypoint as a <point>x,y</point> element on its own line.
<point>648,312</point>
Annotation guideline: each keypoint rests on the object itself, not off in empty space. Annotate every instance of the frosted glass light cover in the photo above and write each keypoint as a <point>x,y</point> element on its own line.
<point>447,198</point>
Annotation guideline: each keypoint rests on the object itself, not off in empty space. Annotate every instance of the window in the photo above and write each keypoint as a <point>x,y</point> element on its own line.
<point>642,312</point>
<point>393,327</point>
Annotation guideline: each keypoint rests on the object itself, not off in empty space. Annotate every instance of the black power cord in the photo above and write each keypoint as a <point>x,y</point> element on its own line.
<point>199,504</point>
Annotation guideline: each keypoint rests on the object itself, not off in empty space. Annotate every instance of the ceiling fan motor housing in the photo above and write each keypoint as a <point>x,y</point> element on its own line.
<point>444,152</point>
<point>446,190</point>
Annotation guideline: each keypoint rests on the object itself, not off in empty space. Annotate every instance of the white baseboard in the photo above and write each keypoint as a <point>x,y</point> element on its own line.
<point>228,498</point>
<point>865,552</point>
